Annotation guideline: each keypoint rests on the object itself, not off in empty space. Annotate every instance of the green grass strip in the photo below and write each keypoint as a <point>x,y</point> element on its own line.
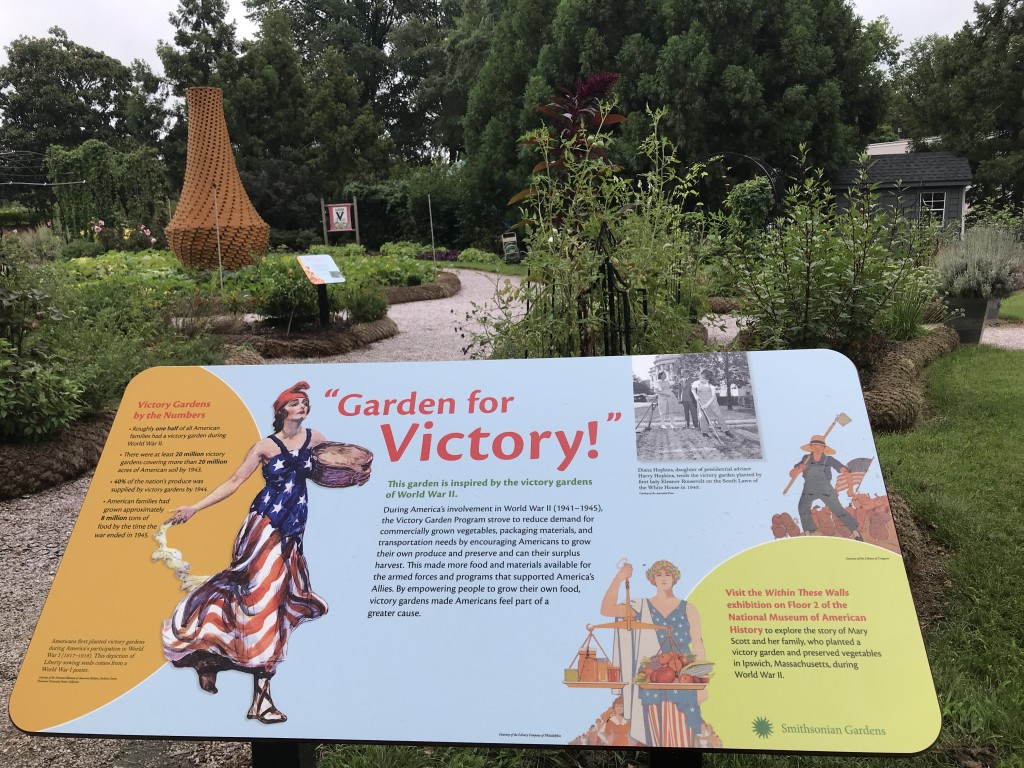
<point>1012,308</point>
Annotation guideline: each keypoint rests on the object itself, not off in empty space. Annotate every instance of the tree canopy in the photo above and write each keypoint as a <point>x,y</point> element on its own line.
<point>968,90</point>
<point>333,92</point>
<point>55,91</point>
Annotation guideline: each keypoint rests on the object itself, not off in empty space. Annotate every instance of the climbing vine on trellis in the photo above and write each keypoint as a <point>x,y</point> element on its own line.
<point>125,190</point>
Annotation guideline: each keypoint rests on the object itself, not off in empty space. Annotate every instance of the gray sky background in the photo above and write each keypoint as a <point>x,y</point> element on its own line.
<point>130,29</point>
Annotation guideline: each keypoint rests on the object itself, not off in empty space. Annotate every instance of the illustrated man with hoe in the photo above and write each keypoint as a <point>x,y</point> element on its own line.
<point>817,467</point>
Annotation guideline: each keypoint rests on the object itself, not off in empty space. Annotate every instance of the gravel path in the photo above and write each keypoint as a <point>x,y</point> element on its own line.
<point>428,330</point>
<point>34,530</point>
<point>1005,335</point>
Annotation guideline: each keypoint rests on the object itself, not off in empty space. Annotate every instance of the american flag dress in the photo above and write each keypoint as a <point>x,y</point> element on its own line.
<point>672,717</point>
<point>241,618</point>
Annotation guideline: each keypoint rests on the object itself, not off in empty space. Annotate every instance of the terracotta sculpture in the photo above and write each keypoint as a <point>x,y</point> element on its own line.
<point>213,196</point>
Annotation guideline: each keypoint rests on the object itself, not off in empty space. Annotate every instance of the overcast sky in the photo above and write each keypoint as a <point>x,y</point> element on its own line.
<point>130,29</point>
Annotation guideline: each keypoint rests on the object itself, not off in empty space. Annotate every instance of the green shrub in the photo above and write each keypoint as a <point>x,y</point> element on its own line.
<point>277,288</point>
<point>295,240</point>
<point>79,249</point>
<point>37,396</point>
<point>37,245</point>
<point>479,256</point>
<point>750,203</point>
<point>365,303</point>
<point>119,326</point>
<point>120,315</point>
<point>987,263</point>
<point>387,269</point>
<point>826,278</point>
<point>348,251</point>
<point>405,249</point>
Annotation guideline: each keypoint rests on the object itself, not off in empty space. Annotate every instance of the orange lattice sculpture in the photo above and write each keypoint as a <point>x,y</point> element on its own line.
<point>213,195</point>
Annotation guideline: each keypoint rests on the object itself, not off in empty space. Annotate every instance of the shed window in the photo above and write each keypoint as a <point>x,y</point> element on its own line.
<point>933,205</point>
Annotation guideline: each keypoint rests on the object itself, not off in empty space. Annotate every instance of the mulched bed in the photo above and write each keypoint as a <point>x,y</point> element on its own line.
<point>270,343</point>
<point>33,467</point>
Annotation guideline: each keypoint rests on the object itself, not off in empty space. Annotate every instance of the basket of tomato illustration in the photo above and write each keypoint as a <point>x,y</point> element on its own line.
<point>340,465</point>
<point>671,670</point>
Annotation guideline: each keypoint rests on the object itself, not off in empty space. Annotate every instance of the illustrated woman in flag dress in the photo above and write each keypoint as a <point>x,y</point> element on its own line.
<point>659,718</point>
<point>241,618</point>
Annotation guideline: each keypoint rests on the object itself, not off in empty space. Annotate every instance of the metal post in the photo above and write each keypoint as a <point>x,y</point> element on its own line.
<point>216,224</point>
<point>674,758</point>
<point>323,219</point>
<point>355,217</point>
<point>321,300</point>
<point>430,213</point>
<point>283,754</point>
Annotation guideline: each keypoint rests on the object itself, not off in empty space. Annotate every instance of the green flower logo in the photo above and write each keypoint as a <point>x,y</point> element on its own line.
<point>762,727</point>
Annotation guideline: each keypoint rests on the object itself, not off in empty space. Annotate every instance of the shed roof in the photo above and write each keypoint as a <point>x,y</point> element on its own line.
<point>913,169</point>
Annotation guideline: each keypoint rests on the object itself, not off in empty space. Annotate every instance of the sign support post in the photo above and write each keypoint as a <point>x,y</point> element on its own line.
<point>323,219</point>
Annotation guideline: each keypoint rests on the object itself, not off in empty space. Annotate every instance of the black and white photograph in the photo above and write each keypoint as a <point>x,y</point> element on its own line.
<point>696,407</point>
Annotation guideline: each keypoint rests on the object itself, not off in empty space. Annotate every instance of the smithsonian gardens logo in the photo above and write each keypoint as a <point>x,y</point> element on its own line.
<point>764,728</point>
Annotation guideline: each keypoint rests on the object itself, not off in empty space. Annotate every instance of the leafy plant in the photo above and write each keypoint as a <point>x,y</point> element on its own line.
<point>405,249</point>
<point>478,256</point>
<point>585,222</point>
<point>365,303</point>
<point>121,323</point>
<point>823,277</point>
<point>749,204</point>
<point>37,396</point>
<point>79,248</point>
<point>987,263</point>
<point>277,288</point>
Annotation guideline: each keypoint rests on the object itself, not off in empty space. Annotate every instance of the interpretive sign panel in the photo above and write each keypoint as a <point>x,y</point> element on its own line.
<point>320,268</point>
<point>675,550</point>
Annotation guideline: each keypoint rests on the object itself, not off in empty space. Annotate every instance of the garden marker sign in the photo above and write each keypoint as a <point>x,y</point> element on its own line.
<point>367,552</point>
<point>340,217</point>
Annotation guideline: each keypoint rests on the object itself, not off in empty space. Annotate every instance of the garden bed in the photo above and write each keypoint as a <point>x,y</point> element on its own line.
<point>33,467</point>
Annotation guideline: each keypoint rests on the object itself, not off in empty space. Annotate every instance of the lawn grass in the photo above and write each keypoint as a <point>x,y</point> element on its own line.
<point>962,471</point>
<point>1012,308</point>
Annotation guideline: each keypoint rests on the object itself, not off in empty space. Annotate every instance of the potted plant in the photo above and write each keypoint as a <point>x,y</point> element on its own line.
<point>975,273</point>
